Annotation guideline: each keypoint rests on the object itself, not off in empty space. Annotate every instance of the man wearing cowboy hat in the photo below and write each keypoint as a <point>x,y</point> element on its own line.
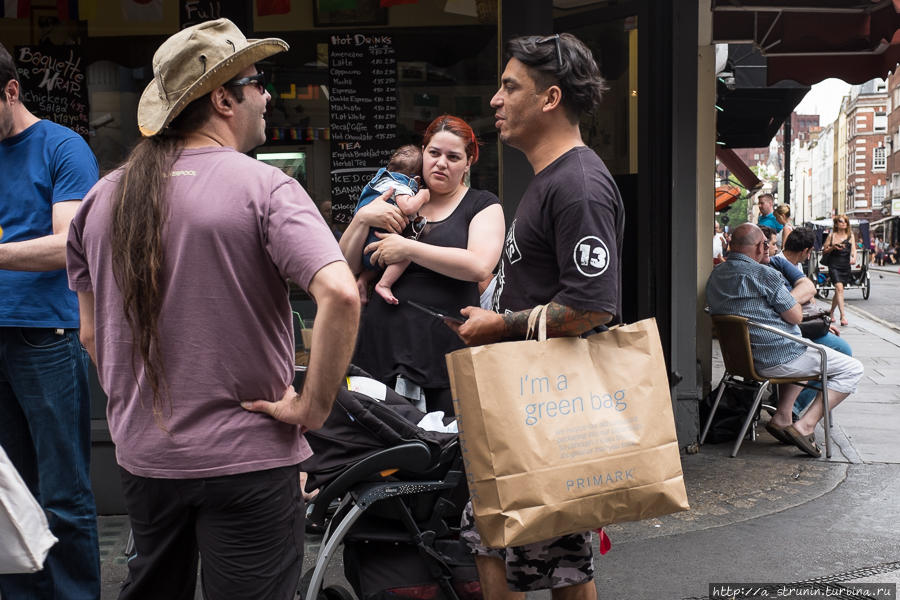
<point>181,261</point>
<point>45,171</point>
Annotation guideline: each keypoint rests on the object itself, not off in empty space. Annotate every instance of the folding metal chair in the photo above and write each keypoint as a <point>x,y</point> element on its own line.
<point>734,340</point>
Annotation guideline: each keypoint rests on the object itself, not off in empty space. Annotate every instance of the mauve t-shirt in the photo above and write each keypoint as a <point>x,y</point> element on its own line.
<point>236,230</point>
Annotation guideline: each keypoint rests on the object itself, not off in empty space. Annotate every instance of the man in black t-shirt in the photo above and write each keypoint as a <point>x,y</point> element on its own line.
<point>564,247</point>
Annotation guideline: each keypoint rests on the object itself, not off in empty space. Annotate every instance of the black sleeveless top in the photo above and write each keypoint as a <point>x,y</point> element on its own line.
<point>400,340</point>
<point>840,256</point>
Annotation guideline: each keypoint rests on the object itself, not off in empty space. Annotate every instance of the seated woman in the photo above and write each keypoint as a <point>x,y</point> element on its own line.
<point>455,243</point>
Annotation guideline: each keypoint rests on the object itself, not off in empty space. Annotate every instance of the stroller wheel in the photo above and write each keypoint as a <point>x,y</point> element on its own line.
<point>336,592</point>
<point>331,592</point>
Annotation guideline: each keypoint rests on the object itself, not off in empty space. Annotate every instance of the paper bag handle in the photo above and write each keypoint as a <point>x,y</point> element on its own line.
<point>537,317</point>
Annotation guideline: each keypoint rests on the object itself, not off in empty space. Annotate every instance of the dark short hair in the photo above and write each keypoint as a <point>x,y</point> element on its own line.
<point>572,67</point>
<point>800,239</point>
<point>767,231</point>
<point>7,70</point>
<point>407,160</point>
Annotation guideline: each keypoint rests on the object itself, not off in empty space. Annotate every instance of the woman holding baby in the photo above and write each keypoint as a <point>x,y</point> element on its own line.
<point>453,243</point>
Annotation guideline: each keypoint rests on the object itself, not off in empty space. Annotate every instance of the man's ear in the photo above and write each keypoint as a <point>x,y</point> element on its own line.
<point>12,91</point>
<point>553,98</point>
<point>221,101</point>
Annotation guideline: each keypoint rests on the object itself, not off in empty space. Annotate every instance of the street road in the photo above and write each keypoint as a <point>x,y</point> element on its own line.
<point>884,299</point>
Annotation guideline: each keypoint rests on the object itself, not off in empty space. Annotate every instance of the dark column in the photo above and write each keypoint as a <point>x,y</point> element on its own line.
<point>787,161</point>
<point>518,17</point>
<point>682,201</point>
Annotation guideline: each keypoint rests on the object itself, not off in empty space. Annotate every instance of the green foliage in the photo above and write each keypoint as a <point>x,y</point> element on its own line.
<point>737,212</point>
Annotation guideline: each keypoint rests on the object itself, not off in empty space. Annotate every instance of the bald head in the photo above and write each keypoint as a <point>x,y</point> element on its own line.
<point>745,237</point>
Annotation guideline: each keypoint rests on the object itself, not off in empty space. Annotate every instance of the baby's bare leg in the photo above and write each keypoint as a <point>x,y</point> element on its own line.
<point>391,274</point>
<point>362,284</point>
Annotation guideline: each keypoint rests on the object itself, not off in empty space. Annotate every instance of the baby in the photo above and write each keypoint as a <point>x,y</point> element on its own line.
<point>401,175</point>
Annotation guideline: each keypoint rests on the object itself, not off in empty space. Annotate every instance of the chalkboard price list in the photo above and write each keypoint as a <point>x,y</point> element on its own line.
<point>363,114</point>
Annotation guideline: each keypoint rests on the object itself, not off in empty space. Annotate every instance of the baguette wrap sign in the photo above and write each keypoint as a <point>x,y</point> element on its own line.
<point>54,85</point>
<point>568,434</point>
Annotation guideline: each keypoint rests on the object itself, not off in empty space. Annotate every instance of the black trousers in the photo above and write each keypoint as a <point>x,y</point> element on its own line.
<point>248,529</point>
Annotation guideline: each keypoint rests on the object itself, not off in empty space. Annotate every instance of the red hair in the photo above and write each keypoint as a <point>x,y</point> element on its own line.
<point>457,127</point>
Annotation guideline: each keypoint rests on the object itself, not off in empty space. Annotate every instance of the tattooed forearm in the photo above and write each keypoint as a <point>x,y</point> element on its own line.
<point>562,321</point>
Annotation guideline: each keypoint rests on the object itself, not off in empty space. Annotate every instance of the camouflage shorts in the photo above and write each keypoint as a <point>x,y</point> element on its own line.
<point>550,564</point>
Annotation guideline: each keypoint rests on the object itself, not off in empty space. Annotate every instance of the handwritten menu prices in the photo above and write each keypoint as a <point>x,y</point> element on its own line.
<point>53,84</point>
<point>363,106</point>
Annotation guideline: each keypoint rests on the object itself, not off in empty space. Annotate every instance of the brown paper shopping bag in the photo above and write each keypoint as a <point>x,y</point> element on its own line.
<point>567,434</point>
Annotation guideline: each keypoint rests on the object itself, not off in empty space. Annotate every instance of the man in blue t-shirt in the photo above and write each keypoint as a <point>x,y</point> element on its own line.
<point>45,170</point>
<point>766,214</point>
<point>797,248</point>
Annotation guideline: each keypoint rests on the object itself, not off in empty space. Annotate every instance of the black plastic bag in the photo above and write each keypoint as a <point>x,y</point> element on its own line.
<point>730,415</point>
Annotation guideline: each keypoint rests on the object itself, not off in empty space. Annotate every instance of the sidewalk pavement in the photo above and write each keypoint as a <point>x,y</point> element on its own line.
<point>769,515</point>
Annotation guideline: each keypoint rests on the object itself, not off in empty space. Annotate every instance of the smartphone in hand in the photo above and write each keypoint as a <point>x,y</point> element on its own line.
<point>434,312</point>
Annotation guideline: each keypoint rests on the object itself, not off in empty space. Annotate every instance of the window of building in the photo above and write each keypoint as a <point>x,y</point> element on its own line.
<point>880,121</point>
<point>878,192</point>
<point>897,96</point>
<point>895,185</point>
<point>880,86</point>
<point>879,163</point>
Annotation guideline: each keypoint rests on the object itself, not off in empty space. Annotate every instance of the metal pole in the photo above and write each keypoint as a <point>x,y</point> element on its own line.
<point>787,161</point>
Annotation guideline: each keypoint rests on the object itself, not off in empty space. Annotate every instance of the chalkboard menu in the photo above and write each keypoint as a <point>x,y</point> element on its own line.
<point>193,12</point>
<point>363,114</point>
<point>54,85</point>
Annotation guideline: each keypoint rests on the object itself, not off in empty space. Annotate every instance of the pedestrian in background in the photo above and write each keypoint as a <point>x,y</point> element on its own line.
<point>719,244</point>
<point>782,214</point>
<point>840,246</point>
<point>766,215</point>
<point>181,259</point>
<point>45,427</point>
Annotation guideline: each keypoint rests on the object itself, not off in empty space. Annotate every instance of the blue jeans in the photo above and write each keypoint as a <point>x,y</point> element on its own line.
<point>809,394</point>
<point>45,428</point>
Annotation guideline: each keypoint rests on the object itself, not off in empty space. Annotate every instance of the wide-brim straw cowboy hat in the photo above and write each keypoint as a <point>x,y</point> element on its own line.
<point>194,62</point>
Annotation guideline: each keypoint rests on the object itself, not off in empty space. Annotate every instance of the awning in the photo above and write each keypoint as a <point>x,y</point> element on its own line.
<point>830,222</point>
<point>811,40</point>
<point>726,195</point>
<point>740,170</point>
<point>884,220</point>
<point>750,117</point>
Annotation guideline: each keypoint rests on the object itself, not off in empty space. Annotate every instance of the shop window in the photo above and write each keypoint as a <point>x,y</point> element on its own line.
<point>410,82</point>
<point>613,130</point>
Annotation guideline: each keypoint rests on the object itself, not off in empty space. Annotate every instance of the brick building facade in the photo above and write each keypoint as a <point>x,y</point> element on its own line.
<point>867,151</point>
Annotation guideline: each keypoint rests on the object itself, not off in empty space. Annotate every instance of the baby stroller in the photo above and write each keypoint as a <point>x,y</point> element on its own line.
<point>859,273</point>
<point>401,489</point>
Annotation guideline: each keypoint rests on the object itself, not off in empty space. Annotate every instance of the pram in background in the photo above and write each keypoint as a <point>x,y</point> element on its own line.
<point>402,492</point>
